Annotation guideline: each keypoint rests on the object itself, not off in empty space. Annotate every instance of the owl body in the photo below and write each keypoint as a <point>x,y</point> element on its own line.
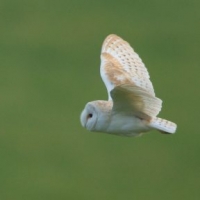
<point>104,120</point>
<point>132,106</point>
<point>126,125</point>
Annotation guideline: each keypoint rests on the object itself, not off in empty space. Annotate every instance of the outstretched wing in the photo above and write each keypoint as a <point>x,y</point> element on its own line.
<point>135,100</point>
<point>121,65</point>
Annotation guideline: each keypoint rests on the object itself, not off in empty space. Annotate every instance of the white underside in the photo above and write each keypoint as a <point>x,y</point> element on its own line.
<point>126,125</point>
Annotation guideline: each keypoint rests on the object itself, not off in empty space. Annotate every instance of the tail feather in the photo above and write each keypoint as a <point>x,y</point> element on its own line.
<point>162,125</point>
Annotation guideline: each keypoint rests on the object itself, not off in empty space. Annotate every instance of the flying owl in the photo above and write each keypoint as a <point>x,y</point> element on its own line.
<point>132,106</point>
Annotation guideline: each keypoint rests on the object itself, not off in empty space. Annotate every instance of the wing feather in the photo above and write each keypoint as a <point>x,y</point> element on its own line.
<point>134,99</point>
<point>120,64</point>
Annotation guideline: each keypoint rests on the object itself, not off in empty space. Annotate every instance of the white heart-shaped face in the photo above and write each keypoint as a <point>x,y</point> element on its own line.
<point>89,117</point>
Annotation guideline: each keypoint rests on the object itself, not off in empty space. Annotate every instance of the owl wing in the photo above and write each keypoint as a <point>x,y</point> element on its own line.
<point>120,64</point>
<point>131,99</point>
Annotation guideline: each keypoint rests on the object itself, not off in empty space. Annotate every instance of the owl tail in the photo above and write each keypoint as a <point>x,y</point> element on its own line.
<point>162,125</point>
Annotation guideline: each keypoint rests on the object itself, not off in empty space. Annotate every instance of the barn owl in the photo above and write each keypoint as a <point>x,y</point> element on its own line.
<point>132,106</point>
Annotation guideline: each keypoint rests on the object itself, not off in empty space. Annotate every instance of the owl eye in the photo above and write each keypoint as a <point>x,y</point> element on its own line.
<point>90,115</point>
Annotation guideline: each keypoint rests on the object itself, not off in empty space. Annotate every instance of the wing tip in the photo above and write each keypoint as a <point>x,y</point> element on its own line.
<point>109,38</point>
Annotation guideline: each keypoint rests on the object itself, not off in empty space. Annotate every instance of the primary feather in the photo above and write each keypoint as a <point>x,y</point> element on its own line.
<point>120,64</point>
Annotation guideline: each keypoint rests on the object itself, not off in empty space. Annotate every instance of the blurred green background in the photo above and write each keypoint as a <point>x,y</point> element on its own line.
<point>49,57</point>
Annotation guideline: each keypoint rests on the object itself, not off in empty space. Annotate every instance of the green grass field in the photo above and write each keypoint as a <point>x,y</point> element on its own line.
<point>50,58</point>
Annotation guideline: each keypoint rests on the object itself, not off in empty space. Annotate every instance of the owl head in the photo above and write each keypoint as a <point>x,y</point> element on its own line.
<point>95,115</point>
<point>89,116</point>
